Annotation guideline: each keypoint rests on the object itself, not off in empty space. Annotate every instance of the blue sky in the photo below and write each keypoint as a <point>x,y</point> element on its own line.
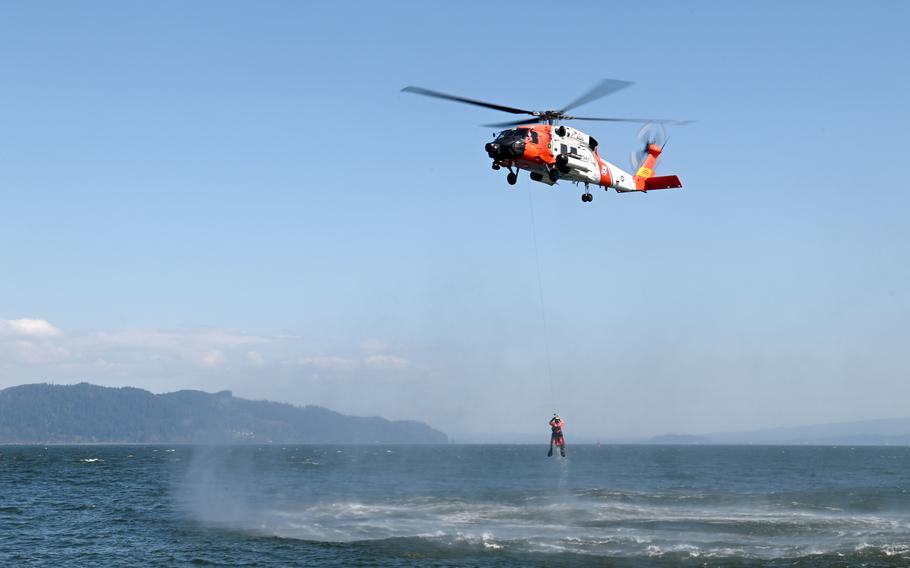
<point>237,195</point>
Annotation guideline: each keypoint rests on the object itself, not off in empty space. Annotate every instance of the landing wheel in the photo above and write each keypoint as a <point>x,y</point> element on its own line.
<point>587,197</point>
<point>554,174</point>
<point>512,178</point>
<point>495,166</point>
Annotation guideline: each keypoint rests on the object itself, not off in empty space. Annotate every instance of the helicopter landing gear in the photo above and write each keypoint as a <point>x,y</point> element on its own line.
<point>512,178</point>
<point>496,165</point>
<point>554,175</point>
<point>587,197</point>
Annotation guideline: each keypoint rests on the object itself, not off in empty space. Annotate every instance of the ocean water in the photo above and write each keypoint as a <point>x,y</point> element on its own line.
<point>454,506</point>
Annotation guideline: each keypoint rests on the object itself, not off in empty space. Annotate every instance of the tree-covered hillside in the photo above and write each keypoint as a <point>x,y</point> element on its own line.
<point>85,413</point>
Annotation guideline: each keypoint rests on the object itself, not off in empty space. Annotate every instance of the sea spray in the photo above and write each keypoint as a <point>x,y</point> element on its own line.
<point>668,503</point>
<point>563,473</point>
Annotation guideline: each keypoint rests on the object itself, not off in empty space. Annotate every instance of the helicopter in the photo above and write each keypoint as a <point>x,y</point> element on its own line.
<point>551,151</point>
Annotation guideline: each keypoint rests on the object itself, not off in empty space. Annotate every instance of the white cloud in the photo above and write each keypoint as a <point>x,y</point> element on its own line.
<point>329,362</point>
<point>39,352</point>
<point>267,366</point>
<point>28,327</point>
<point>374,345</point>
<point>255,358</point>
<point>178,339</point>
<point>212,358</point>
<point>387,362</point>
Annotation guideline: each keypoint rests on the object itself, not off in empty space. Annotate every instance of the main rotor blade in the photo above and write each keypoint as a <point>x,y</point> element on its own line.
<point>438,95</point>
<point>513,123</point>
<point>602,89</point>
<point>641,120</point>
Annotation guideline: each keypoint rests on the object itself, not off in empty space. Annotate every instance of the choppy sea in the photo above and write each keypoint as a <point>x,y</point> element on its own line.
<point>454,506</point>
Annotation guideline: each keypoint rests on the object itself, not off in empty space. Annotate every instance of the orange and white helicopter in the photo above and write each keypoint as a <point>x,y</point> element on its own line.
<point>551,151</point>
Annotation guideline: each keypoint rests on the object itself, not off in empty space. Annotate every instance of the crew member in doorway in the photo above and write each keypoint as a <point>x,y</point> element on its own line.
<point>556,424</point>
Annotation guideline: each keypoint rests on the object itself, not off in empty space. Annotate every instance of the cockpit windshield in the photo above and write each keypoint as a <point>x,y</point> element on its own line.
<point>517,132</point>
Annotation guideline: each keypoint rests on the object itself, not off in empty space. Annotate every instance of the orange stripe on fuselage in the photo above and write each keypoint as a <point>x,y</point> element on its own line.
<point>606,179</point>
<point>539,153</point>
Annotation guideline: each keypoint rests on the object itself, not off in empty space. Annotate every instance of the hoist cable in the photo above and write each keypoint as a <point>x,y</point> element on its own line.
<point>543,311</point>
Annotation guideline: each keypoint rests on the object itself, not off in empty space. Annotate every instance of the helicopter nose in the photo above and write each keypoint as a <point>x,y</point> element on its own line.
<point>505,149</point>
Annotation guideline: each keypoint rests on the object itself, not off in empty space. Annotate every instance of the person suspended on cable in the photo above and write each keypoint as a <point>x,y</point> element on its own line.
<point>556,424</point>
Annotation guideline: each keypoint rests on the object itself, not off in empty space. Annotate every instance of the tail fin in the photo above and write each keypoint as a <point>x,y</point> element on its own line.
<point>644,177</point>
<point>646,169</point>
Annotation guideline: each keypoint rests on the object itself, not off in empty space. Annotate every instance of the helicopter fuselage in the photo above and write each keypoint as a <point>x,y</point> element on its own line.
<point>542,148</point>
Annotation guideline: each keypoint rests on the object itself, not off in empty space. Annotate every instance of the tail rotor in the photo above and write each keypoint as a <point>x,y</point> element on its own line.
<point>650,133</point>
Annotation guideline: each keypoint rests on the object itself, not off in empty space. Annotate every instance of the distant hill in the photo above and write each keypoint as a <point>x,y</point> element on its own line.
<point>85,413</point>
<point>884,432</point>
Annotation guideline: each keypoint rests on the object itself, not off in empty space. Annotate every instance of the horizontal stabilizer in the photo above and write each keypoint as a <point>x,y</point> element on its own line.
<point>662,182</point>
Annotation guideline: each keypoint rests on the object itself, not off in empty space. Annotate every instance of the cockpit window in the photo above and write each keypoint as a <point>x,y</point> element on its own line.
<point>534,136</point>
<point>518,132</point>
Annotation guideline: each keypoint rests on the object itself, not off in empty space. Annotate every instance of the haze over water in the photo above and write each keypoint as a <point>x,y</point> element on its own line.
<point>454,506</point>
<point>236,195</point>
